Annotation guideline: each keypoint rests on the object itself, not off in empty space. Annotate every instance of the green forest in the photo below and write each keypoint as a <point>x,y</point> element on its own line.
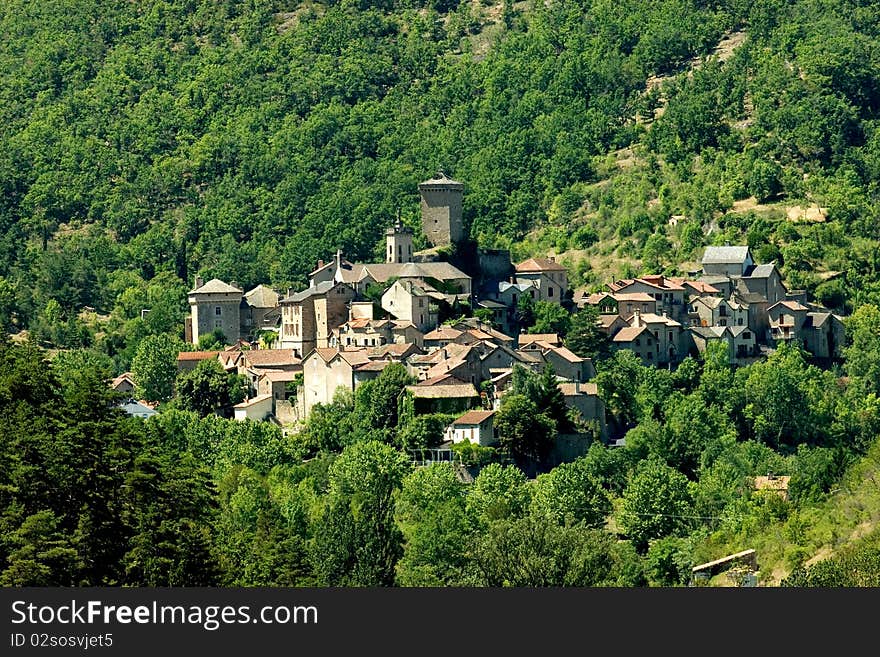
<point>148,142</point>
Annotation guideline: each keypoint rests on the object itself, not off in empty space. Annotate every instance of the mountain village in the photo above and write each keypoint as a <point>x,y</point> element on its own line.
<point>449,315</point>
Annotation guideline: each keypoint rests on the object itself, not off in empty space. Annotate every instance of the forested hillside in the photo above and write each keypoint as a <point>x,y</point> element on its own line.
<point>246,140</point>
<point>146,142</point>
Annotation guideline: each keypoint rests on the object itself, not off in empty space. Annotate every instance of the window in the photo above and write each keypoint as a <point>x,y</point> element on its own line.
<point>549,291</point>
<point>747,335</point>
<point>218,311</point>
<point>218,323</point>
<point>722,322</point>
<point>639,342</point>
<point>670,336</point>
<point>421,303</point>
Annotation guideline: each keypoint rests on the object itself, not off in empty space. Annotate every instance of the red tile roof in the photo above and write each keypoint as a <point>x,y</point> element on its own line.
<point>474,417</point>
<point>538,265</point>
<point>196,355</point>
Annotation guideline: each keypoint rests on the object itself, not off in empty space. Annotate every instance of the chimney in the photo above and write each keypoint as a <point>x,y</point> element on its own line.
<point>338,259</point>
<point>199,281</point>
<point>289,291</point>
<point>637,318</point>
<point>320,264</point>
<point>552,258</point>
<point>234,284</point>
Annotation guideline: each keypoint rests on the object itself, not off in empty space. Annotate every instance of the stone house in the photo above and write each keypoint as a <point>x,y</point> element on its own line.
<point>741,341</point>
<point>786,319</point>
<point>325,370</point>
<point>667,333</point>
<point>637,339</point>
<point>213,305</point>
<point>475,427</point>
<point>277,383</point>
<point>375,333</point>
<point>123,383</point>
<point>715,311</point>
<point>256,311</point>
<point>309,317</point>
<point>728,261</point>
<point>819,332</point>
<point>585,399</point>
<point>764,280</point>
<point>671,297</point>
<point>413,301</point>
<point>448,395</point>
<point>565,363</point>
<point>253,363</point>
<point>549,277</point>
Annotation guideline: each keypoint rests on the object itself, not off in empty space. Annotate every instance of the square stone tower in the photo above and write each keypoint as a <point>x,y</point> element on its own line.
<point>441,210</point>
<point>215,305</point>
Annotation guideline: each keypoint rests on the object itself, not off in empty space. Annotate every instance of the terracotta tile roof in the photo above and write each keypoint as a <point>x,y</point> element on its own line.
<point>443,333</point>
<point>565,353</point>
<point>196,355</point>
<point>373,365</point>
<point>659,282</point>
<point>699,286</point>
<point>443,379</point>
<point>474,417</point>
<point>125,376</point>
<point>538,265</point>
<point>398,350</point>
<point>549,338</point>
<point>279,375</point>
<point>605,321</point>
<point>462,391</point>
<point>629,333</point>
<point>791,305</point>
<point>633,296</point>
<point>270,357</point>
<point>653,318</point>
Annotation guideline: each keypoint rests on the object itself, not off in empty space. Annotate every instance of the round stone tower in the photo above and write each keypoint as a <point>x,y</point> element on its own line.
<point>441,210</point>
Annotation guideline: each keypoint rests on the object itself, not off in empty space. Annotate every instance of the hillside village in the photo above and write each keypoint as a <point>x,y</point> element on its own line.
<point>450,315</point>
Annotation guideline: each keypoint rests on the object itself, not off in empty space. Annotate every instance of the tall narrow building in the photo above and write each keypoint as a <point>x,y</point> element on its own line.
<point>441,210</point>
<point>398,243</point>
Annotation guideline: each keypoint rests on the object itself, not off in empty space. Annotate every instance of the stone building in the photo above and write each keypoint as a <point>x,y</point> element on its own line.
<point>214,305</point>
<point>257,311</point>
<point>398,243</point>
<point>308,318</point>
<point>441,210</point>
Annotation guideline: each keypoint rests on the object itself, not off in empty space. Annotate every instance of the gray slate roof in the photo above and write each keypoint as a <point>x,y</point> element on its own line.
<point>216,286</point>
<point>761,271</point>
<point>317,290</point>
<point>725,254</point>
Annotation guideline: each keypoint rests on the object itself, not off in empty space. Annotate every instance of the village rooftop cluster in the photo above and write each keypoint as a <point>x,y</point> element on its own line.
<point>331,336</point>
